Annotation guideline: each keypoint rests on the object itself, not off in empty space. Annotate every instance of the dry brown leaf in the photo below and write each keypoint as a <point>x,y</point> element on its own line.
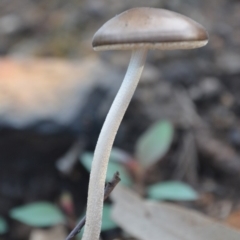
<point>234,219</point>
<point>44,88</point>
<point>147,220</point>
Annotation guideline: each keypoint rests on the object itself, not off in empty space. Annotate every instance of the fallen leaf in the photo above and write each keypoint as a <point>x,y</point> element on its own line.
<point>234,219</point>
<point>151,220</point>
<point>52,90</point>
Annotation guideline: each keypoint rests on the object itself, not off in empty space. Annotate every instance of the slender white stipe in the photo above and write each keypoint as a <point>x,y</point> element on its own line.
<point>105,142</point>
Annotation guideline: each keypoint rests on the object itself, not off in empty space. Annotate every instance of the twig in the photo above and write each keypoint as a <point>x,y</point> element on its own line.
<point>108,189</point>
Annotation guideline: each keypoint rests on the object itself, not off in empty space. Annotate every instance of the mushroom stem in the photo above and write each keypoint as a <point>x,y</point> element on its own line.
<point>105,142</point>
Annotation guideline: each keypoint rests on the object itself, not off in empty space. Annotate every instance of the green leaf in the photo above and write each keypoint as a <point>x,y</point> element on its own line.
<point>86,160</point>
<point>116,167</point>
<point>172,190</point>
<point>107,222</point>
<point>113,167</point>
<point>3,225</point>
<point>119,155</point>
<point>154,143</point>
<point>40,214</point>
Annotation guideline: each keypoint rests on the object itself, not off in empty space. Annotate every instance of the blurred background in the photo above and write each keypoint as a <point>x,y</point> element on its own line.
<point>55,92</point>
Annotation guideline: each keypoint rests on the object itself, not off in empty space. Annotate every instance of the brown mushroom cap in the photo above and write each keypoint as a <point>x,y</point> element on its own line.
<point>150,28</point>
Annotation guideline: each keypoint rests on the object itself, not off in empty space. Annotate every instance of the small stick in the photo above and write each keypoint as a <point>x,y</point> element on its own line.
<point>108,189</point>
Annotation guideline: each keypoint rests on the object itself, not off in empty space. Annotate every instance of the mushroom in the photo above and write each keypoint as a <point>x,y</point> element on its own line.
<point>137,29</point>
